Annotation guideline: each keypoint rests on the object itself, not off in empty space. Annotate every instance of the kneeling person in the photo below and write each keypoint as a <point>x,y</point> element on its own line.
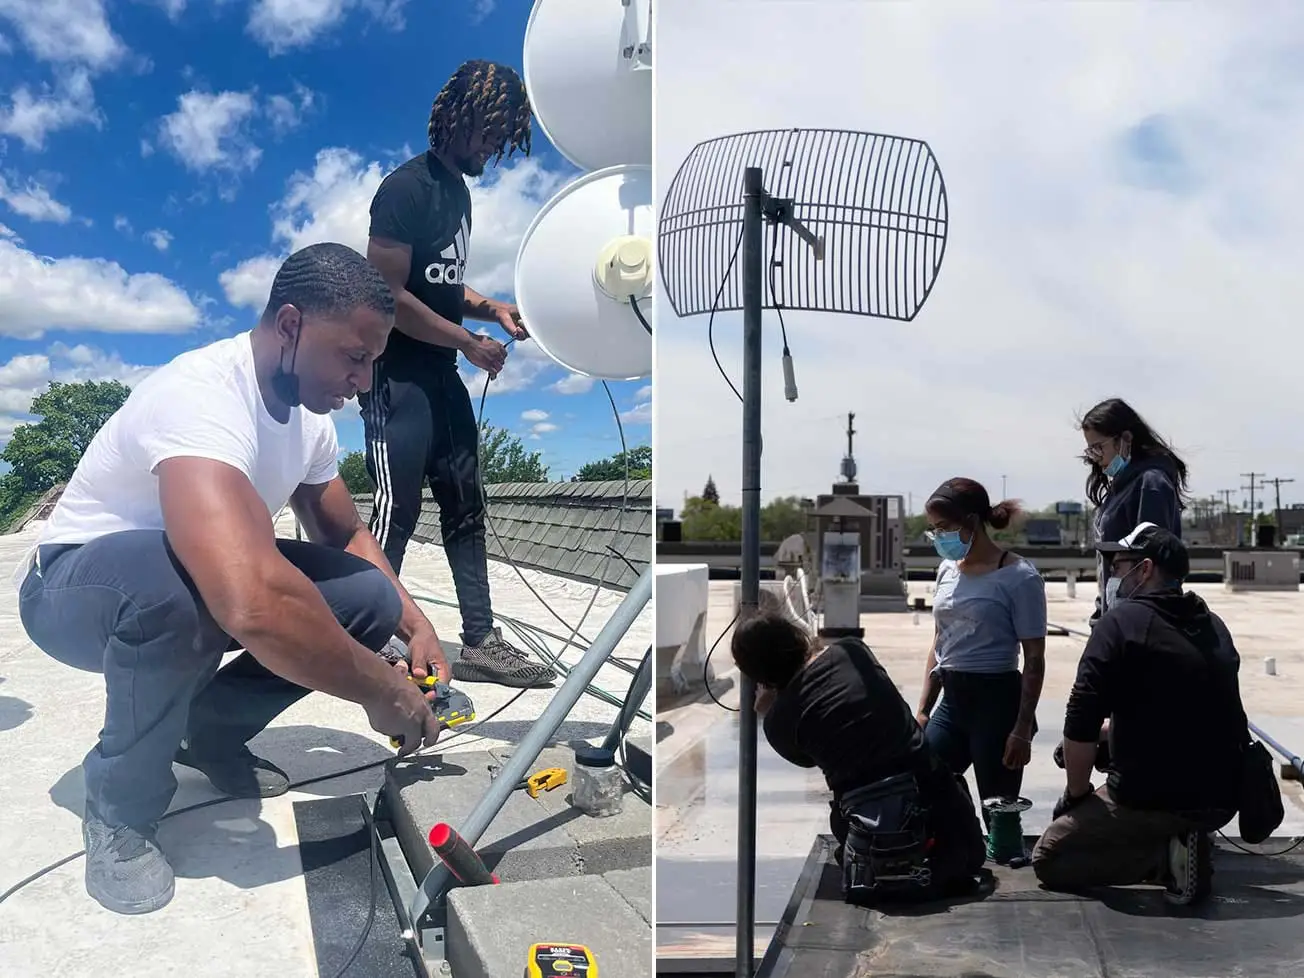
<point>1162,668</point>
<point>161,556</point>
<point>906,826</point>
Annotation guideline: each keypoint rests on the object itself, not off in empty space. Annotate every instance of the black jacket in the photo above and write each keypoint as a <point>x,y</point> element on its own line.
<point>1145,492</point>
<point>1164,668</point>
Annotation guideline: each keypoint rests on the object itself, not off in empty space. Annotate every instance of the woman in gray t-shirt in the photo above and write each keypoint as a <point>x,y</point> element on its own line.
<point>989,605</point>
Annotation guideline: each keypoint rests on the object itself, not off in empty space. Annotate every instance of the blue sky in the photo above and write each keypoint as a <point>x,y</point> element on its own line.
<point>162,156</point>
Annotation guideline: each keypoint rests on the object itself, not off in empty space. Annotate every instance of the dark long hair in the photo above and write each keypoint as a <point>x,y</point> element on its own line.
<point>486,94</point>
<point>1112,418</point>
<point>769,648</point>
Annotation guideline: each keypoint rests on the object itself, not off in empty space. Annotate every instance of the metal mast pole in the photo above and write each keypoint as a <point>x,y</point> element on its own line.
<point>753,272</point>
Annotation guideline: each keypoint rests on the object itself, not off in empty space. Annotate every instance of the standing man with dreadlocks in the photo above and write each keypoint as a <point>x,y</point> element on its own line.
<point>419,420</point>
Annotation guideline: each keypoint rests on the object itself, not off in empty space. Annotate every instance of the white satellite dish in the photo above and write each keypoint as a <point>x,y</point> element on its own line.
<point>585,255</point>
<point>589,78</point>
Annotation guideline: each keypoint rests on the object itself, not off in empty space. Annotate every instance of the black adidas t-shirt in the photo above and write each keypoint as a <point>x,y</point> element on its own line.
<point>427,207</point>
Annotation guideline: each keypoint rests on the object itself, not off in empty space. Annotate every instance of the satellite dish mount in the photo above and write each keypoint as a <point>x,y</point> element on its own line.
<point>871,211</point>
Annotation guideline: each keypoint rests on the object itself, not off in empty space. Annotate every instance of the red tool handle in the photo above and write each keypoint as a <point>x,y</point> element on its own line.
<point>462,861</point>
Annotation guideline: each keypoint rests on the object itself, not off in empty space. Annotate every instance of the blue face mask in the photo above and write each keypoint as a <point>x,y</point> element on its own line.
<point>949,546</point>
<point>1115,467</point>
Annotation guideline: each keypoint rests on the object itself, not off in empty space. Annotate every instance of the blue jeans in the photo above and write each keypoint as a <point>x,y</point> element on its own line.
<point>972,723</point>
<point>123,606</point>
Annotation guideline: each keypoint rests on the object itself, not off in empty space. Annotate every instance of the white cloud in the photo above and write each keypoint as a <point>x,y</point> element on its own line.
<point>121,223</point>
<point>480,9</point>
<point>573,384</point>
<point>27,375</point>
<point>283,25</point>
<point>32,115</point>
<point>209,131</point>
<point>39,294</point>
<point>534,414</point>
<point>640,413</point>
<point>71,32</point>
<point>159,238</point>
<point>1124,221</point>
<point>34,202</point>
<point>537,431</point>
<point>332,203</point>
<point>287,111</point>
<point>173,8</point>
<point>644,393</point>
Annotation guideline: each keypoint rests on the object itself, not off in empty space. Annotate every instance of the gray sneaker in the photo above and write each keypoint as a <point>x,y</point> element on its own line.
<point>126,872</point>
<point>495,660</point>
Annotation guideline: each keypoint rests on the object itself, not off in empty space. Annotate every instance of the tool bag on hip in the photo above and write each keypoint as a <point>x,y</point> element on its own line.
<point>887,852</point>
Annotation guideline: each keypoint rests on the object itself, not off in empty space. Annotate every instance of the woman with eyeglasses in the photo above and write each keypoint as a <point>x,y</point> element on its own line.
<point>1134,478</point>
<point>989,605</point>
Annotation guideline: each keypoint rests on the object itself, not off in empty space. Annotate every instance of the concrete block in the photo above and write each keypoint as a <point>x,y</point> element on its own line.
<point>530,839</point>
<point>683,594</point>
<point>635,885</point>
<point>491,928</point>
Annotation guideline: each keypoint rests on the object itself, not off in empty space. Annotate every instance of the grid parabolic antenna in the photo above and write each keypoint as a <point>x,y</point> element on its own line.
<point>585,254</point>
<point>877,202</point>
<point>589,78</point>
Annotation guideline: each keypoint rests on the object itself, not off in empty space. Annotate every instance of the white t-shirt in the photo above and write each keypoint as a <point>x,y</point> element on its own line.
<point>204,404</point>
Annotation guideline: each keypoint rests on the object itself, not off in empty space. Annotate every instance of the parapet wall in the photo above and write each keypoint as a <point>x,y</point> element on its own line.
<point>565,528</point>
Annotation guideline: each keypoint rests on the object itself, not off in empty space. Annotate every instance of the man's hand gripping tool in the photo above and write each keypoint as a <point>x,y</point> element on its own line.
<point>451,707</point>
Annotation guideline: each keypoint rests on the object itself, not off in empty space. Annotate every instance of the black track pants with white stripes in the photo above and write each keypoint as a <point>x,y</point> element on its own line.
<point>420,425</point>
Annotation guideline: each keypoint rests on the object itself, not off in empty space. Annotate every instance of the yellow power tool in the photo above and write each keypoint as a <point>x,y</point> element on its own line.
<point>561,961</point>
<point>451,706</point>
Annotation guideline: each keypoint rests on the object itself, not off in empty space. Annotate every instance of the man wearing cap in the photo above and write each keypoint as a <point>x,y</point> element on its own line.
<point>1162,669</point>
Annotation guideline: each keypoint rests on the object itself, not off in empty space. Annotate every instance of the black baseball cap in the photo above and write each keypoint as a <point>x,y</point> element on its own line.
<point>1148,541</point>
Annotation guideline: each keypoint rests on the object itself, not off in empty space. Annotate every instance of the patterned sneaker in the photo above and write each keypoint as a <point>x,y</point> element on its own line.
<point>240,775</point>
<point>126,872</point>
<point>494,660</point>
<point>1190,869</point>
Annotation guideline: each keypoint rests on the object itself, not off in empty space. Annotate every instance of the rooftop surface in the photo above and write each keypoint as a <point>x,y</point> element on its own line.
<point>240,908</point>
<point>697,757</point>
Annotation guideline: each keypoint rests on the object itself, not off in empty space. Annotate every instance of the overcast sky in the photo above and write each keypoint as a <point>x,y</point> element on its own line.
<point>1126,220</point>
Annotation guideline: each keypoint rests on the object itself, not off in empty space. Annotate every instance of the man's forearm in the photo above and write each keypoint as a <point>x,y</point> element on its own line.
<point>288,627</point>
<point>418,320</point>
<point>413,623</point>
<point>1079,760</point>
<point>476,306</point>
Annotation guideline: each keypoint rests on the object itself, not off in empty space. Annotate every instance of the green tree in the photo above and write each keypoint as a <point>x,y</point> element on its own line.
<point>706,520</point>
<point>710,493</point>
<point>613,469</point>
<point>353,470</point>
<point>503,458</point>
<point>781,518</point>
<point>45,453</point>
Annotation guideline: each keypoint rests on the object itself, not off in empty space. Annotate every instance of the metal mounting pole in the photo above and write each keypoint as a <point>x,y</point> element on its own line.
<point>753,274</point>
<point>639,687</point>
<point>537,738</point>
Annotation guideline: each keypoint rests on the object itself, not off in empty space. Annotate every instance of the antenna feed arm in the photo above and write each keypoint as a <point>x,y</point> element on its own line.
<point>779,211</point>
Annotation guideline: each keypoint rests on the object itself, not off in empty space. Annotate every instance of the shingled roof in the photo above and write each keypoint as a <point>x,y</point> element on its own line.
<point>563,528</point>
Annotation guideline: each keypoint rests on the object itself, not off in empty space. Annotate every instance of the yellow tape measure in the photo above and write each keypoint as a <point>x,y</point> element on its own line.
<point>561,961</point>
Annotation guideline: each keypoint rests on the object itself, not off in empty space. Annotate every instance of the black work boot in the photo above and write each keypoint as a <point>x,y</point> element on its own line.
<point>240,774</point>
<point>126,871</point>
<point>495,660</point>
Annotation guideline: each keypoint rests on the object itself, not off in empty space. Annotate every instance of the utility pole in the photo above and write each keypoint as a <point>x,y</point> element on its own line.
<point>1253,487</point>
<point>1276,485</point>
<point>1227,498</point>
<point>1003,493</point>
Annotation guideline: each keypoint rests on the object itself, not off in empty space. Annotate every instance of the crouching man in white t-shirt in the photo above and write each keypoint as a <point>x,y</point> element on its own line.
<point>161,557</point>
